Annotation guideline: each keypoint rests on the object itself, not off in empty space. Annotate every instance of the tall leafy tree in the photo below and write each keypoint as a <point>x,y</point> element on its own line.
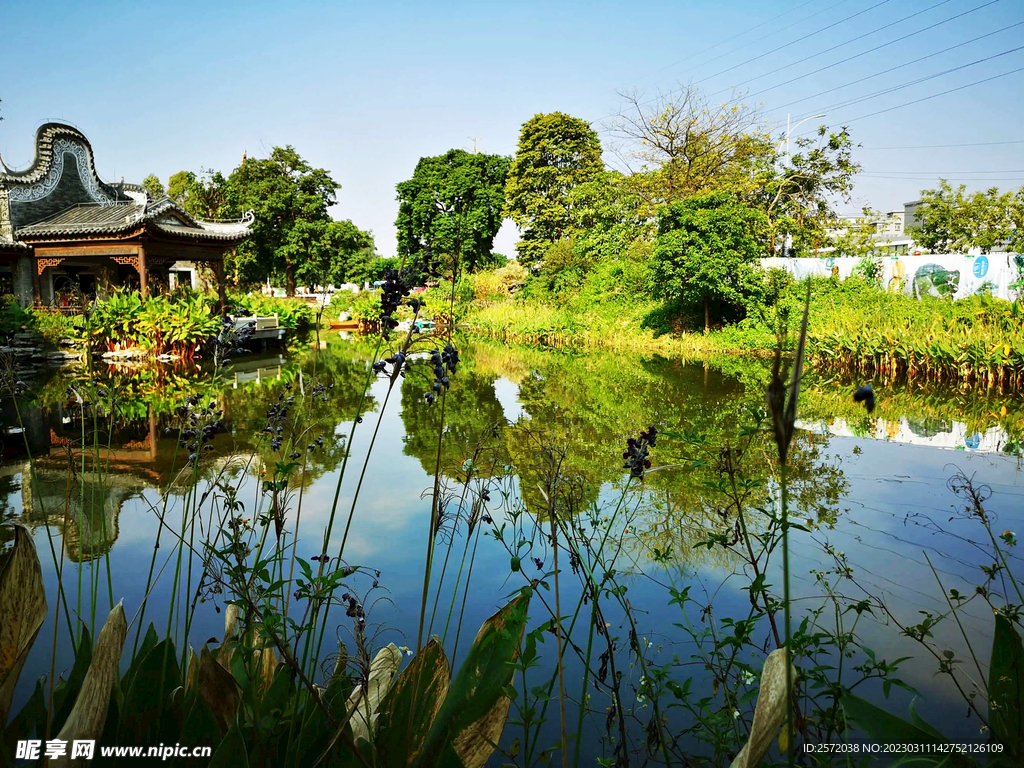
<point>707,252</point>
<point>798,194</point>
<point>951,220</point>
<point>154,187</point>
<point>203,195</point>
<point>330,252</point>
<point>282,190</point>
<point>681,144</point>
<point>556,153</point>
<point>452,204</point>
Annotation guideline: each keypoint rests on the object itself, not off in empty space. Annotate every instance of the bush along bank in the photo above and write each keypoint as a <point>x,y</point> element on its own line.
<point>853,327</point>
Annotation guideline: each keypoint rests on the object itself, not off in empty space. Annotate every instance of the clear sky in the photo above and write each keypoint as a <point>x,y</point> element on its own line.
<point>366,89</point>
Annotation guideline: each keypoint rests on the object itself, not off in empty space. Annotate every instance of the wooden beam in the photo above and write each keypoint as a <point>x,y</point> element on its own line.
<point>143,281</point>
<point>64,252</point>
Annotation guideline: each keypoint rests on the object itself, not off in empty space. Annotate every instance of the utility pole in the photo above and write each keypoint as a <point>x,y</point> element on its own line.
<point>474,139</point>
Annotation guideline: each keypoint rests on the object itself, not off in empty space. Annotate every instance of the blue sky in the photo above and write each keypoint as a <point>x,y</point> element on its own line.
<point>366,89</point>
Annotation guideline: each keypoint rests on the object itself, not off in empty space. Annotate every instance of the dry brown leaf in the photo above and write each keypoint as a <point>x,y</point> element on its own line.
<point>770,712</point>
<point>23,608</point>
<point>89,714</point>
<point>364,704</point>
<point>218,689</point>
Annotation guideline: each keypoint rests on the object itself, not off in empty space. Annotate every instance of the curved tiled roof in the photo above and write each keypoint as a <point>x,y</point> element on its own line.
<point>60,196</point>
<point>163,215</point>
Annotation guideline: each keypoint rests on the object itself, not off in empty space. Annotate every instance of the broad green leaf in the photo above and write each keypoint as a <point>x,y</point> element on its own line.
<point>883,727</point>
<point>31,717</point>
<point>65,693</point>
<point>89,714</point>
<point>1006,687</point>
<point>231,753</point>
<point>408,710</point>
<point>769,712</point>
<point>469,723</point>
<point>148,709</point>
<point>23,608</point>
<point>149,642</point>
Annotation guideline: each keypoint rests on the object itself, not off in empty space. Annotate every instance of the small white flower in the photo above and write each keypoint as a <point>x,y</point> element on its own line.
<point>735,714</point>
<point>405,649</point>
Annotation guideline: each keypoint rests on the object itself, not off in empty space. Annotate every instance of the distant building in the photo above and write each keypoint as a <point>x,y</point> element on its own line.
<point>62,228</point>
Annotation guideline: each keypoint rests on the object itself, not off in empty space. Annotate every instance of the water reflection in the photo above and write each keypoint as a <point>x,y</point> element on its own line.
<point>537,420</point>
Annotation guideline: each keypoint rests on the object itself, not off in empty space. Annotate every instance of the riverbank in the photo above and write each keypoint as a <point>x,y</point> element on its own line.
<point>852,328</point>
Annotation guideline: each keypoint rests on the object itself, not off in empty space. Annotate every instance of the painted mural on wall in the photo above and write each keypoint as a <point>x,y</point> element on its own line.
<point>931,274</point>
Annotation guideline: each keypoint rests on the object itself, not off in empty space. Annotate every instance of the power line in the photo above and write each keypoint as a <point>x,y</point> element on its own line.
<point>751,29</point>
<point>798,40</point>
<point>918,81</point>
<point>947,146</point>
<point>936,95</point>
<point>894,69</point>
<point>877,48</point>
<point>847,42</point>
<point>774,50</point>
<point>940,173</point>
<point>919,178</point>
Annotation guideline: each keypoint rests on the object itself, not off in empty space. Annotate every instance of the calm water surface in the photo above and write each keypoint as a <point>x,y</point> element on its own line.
<point>873,487</point>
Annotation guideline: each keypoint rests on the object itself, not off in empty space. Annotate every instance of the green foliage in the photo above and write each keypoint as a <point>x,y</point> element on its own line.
<point>154,187</point>
<point>798,198</point>
<point>556,153</point>
<point>291,313</point>
<point>12,317</point>
<point>452,205</point>
<point>366,306</point>
<point>707,251</point>
<point>290,199</point>
<point>53,326</point>
<point>950,220</point>
<point>329,252</point>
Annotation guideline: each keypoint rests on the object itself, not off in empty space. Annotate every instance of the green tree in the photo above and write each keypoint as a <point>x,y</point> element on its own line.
<point>452,204</point>
<point>203,195</point>
<point>798,197</point>
<point>556,153</point>
<point>680,145</point>
<point>950,220</point>
<point>707,251</point>
<point>282,190</point>
<point>330,251</point>
<point>154,187</point>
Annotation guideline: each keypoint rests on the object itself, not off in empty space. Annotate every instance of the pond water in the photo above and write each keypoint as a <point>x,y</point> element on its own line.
<point>873,487</point>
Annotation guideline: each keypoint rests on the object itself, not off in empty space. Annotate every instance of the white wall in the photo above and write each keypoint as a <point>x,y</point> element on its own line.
<point>999,269</point>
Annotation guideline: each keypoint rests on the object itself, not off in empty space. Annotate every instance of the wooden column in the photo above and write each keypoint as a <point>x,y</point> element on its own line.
<point>143,282</point>
<point>218,270</point>
<point>37,291</point>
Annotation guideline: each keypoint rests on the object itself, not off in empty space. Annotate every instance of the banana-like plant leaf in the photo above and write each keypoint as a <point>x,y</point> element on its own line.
<point>23,608</point>
<point>469,723</point>
<point>770,711</point>
<point>408,710</point>
<point>218,689</point>
<point>227,646</point>
<point>89,714</point>
<point>65,693</point>
<point>32,717</point>
<point>1006,687</point>
<point>231,753</point>
<point>148,708</point>
<point>886,728</point>
<point>364,703</point>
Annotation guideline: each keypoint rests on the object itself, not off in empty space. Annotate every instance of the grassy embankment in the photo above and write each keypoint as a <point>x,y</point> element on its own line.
<point>852,328</point>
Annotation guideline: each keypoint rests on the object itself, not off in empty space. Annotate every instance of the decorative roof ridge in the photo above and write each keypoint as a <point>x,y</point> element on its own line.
<point>43,157</point>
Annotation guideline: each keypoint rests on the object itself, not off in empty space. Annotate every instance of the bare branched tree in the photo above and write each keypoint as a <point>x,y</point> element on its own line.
<point>679,144</point>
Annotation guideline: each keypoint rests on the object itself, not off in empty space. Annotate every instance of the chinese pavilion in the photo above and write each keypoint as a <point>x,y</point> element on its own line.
<point>62,228</point>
